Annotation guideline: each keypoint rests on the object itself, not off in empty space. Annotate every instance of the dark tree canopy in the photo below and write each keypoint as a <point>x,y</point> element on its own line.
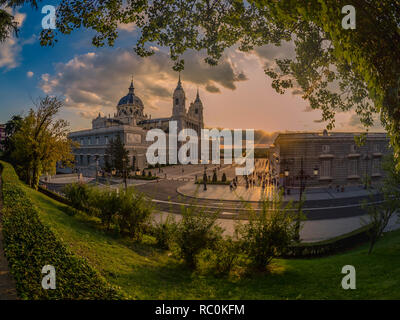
<point>336,69</point>
<point>117,155</point>
<point>8,24</point>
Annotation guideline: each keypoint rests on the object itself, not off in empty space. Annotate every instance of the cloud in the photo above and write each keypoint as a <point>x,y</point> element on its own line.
<point>94,82</point>
<point>213,89</point>
<point>353,123</point>
<point>129,27</point>
<point>29,74</point>
<point>269,53</point>
<point>11,48</point>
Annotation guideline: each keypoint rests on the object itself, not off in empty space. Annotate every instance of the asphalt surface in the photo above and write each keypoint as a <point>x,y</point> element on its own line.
<point>166,198</point>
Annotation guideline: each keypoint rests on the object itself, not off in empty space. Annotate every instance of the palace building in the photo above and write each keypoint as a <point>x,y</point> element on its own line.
<point>328,158</point>
<point>131,124</point>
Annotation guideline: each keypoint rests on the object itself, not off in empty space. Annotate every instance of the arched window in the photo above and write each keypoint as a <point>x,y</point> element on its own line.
<point>176,101</point>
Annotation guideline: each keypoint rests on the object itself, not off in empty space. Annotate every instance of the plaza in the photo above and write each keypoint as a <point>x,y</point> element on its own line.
<point>329,212</point>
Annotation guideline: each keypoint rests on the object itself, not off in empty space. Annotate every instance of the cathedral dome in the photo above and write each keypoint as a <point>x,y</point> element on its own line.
<point>131,99</point>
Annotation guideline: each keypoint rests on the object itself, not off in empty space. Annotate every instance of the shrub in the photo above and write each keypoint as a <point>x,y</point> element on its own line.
<point>78,195</point>
<point>133,213</point>
<point>164,231</point>
<point>29,245</point>
<point>196,231</point>
<point>222,259</point>
<point>269,233</point>
<point>223,179</point>
<point>214,178</point>
<point>106,203</point>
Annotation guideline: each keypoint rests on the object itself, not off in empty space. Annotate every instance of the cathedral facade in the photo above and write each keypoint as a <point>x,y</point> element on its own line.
<point>131,123</point>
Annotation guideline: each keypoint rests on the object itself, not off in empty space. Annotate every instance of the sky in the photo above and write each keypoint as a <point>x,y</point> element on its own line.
<point>235,94</point>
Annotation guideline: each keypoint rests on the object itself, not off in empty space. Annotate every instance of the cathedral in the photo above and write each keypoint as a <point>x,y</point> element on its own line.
<point>131,123</point>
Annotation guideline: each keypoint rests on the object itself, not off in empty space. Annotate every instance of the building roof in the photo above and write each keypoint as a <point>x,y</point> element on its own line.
<point>326,135</point>
<point>130,98</point>
<point>154,120</point>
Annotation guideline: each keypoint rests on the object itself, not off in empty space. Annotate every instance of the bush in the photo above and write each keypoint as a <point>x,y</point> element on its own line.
<point>269,233</point>
<point>196,231</point>
<point>29,245</point>
<point>223,179</point>
<point>133,212</point>
<point>106,203</point>
<point>222,259</point>
<point>78,195</point>
<point>214,178</point>
<point>164,231</point>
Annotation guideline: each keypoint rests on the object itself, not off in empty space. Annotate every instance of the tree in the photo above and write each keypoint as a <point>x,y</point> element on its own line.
<point>117,154</point>
<point>335,69</point>
<point>380,215</point>
<point>8,24</point>
<point>42,141</point>
<point>12,126</point>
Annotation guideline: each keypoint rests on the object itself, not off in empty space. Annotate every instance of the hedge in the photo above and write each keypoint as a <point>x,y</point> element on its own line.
<point>29,245</point>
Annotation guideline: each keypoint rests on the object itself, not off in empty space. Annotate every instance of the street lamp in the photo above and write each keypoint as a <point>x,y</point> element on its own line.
<point>286,172</point>
<point>316,171</point>
<point>124,172</point>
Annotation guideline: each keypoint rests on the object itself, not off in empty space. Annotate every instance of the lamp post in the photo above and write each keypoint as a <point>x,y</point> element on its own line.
<point>366,158</point>
<point>302,177</point>
<point>124,173</point>
<point>286,172</point>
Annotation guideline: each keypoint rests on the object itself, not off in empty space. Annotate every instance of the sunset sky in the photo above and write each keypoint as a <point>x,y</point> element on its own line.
<point>235,94</point>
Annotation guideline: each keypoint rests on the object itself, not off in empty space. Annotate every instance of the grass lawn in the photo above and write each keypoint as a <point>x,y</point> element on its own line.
<point>145,272</point>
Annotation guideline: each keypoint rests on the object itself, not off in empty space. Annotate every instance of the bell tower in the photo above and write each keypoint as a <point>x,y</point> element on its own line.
<point>178,102</point>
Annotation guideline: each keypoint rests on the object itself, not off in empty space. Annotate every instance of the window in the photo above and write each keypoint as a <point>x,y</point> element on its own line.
<point>106,139</point>
<point>81,141</point>
<point>353,167</point>
<point>89,140</point>
<point>377,148</point>
<point>97,140</point>
<point>376,166</point>
<point>353,148</point>
<point>325,148</point>
<point>176,101</point>
<point>88,159</point>
<point>326,168</point>
<point>81,160</point>
<point>196,111</point>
